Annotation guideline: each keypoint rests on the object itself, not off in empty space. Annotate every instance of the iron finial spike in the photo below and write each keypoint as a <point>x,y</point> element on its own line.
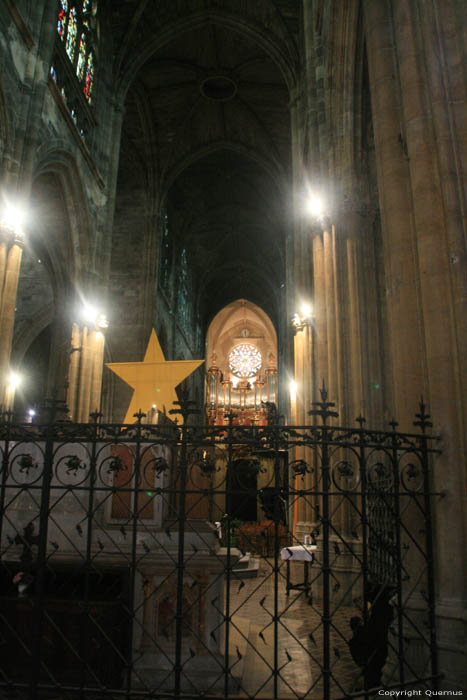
<point>139,416</point>
<point>323,391</point>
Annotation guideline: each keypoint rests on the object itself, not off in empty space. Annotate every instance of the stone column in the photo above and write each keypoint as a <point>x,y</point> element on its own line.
<point>73,371</point>
<point>12,257</point>
<point>85,377</point>
<point>303,378</point>
<point>406,364</point>
<point>85,372</point>
<point>98,343</point>
<point>3,254</point>
<point>332,313</point>
<point>432,83</point>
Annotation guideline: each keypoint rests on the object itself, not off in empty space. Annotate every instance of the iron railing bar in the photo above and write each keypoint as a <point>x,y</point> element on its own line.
<point>299,493</point>
<point>261,584</point>
<point>300,643</point>
<point>15,632</point>
<point>133,571</point>
<point>251,645</point>
<point>228,565</point>
<point>345,593</point>
<point>5,470</point>
<point>206,434</point>
<point>394,648</point>
<point>326,570</point>
<point>7,505</point>
<point>181,557</point>
<point>421,636</point>
<point>414,585</point>
<point>39,592</point>
<point>61,634</point>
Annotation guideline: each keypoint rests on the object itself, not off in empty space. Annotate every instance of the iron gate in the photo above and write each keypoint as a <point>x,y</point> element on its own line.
<point>125,573</point>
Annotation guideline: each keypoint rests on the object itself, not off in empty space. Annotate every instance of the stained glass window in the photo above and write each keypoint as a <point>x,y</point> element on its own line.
<point>71,34</point>
<point>184,307</point>
<point>62,18</point>
<point>89,79</point>
<point>166,255</point>
<point>81,57</point>
<point>77,18</point>
<point>245,360</point>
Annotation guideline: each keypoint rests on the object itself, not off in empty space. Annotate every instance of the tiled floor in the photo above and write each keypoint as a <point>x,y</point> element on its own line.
<point>299,634</point>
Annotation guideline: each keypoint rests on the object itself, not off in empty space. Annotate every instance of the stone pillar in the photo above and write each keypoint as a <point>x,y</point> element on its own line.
<point>85,377</point>
<point>12,264</point>
<point>73,371</point>
<point>302,372</point>
<point>85,372</point>
<point>432,97</point>
<point>3,254</point>
<point>332,313</point>
<point>98,343</point>
<point>406,364</point>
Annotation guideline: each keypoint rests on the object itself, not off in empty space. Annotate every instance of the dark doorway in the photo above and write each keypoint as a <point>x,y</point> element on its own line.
<point>243,498</point>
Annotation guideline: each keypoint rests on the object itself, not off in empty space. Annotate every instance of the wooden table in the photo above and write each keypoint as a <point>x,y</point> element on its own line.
<point>304,553</point>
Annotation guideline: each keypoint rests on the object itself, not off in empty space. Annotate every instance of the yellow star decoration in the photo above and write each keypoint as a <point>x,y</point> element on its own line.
<point>153,380</point>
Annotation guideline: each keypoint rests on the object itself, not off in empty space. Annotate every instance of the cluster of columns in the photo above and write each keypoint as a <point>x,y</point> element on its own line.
<point>411,340</point>
<point>331,349</point>
<point>78,366</point>
<point>85,372</point>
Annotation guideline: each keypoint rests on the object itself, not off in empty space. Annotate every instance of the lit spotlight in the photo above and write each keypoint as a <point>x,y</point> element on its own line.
<point>293,390</point>
<point>89,313</point>
<point>102,321</point>
<point>14,380</point>
<point>304,318</point>
<point>315,206</point>
<point>12,217</point>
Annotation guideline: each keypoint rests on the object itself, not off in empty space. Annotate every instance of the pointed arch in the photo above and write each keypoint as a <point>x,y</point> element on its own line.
<point>57,162</point>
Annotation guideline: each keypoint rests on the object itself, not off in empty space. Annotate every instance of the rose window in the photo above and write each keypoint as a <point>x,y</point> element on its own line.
<point>245,360</point>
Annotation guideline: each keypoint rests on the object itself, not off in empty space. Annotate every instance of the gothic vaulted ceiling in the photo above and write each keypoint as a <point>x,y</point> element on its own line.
<point>207,122</point>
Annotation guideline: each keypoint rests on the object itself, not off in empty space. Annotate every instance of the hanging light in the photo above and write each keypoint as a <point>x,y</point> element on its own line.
<point>14,380</point>
<point>293,390</point>
<point>12,218</point>
<point>302,318</point>
<point>315,206</point>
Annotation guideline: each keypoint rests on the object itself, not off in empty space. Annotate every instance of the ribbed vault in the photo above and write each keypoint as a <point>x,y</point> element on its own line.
<point>207,120</point>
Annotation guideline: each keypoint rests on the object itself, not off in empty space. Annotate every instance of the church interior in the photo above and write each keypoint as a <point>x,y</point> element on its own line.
<point>232,335</point>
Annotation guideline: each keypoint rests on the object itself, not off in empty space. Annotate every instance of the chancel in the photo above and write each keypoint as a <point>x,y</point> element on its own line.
<point>232,349</point>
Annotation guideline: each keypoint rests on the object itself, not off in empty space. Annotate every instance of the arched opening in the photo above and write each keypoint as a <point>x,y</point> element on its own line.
<point>241,351</point>
<point>45,312</point>
<point>34,371</point>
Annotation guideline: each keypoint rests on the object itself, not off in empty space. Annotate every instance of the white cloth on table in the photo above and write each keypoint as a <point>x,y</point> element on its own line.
<point>301,552</point>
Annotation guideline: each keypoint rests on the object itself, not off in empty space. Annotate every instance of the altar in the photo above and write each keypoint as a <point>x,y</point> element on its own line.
<point>115,522</point>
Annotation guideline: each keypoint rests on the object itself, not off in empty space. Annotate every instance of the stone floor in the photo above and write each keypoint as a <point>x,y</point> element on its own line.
<point>252,632</point>
<point>299,640</point>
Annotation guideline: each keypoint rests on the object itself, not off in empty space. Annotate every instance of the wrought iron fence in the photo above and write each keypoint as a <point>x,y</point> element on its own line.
<point>128,571</point>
